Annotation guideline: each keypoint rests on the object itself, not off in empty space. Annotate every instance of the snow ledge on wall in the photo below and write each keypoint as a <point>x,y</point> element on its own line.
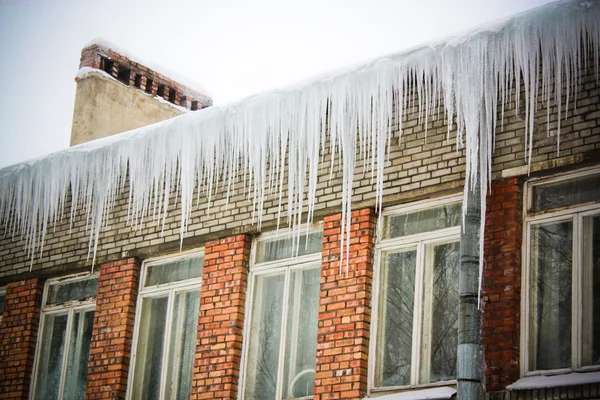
<point>438,393</point>
<point>548,381</point>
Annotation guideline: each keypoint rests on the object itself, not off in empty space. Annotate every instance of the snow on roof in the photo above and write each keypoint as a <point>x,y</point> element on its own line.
<point>256,135</point>
<point>177,77</point>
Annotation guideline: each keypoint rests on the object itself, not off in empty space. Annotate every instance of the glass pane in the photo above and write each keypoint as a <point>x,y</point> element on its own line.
<point>394,331</point>
<point>2,302</point>
<point>69,291</point>
<point>149,352</point>
<point>182,345</point>
<point>427,220</point>
<point>301,341</point>
<point>440,313</point>
<point>567,192</point>
<point>550,296</point>
<point>265,337</point>
<point>591,290</point>
<point>278,249</point>
<point>79,353</point>
<point>174,271</point>
<point>51,356</point>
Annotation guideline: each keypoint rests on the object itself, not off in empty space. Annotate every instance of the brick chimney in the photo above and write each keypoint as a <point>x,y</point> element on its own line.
<point>116,94</point>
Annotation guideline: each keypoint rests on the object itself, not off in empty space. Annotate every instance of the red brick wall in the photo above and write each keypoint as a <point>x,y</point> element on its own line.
<point>502,283</point>
<point>113,330</point>
<point>221,318</point>
<point>18,336</point>
<point>345,309</point>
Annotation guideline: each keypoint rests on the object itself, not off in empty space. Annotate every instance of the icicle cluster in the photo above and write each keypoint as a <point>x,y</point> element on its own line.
<point>466,79</point>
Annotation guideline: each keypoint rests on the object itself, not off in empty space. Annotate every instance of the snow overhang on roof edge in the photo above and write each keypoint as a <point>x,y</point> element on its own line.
<point>215,144</point>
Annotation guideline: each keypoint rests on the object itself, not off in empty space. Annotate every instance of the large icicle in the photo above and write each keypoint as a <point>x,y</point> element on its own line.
<point>347,114</point>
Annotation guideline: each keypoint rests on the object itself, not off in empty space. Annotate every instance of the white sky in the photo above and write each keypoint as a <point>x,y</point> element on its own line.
<point>233,48</point>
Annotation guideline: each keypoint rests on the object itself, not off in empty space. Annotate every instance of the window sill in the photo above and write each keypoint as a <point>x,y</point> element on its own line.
<point>547,381</point>
<point>438,393</point>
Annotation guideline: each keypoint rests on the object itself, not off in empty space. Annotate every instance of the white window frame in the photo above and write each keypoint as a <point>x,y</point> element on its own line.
<point>420,242</point>
<point>153,291</point>
<point>71,307</point>
<point>574,213</point>
<point>303,262</point>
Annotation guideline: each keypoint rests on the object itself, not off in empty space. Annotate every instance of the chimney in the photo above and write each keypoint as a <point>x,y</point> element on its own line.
<point>116,94</point>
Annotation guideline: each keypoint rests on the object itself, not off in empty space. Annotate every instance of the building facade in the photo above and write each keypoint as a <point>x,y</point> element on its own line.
<point>238,310</point>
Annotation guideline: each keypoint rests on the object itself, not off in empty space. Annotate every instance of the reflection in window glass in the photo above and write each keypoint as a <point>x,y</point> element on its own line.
<point>440,313</point>
<point>426,220</point>
<point>265,337</point>
<point>394,337</point>
<point>51,357</point>
<point>179,270</point>
<point>591,288</point>
<point>2,303</point>
<point>301,342</point>
<point>70,291</point>
<point>550,295</point>
<point>566,192</point>
<point>278,249</point>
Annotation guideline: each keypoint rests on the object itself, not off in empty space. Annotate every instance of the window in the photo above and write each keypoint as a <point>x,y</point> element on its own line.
<point>416,296</point>
<point>63,347</point>
<point>165,332</point>
<point>561,316</point>
<point>280,349</point>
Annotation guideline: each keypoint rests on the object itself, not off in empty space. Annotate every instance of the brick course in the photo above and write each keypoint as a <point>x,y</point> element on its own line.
<point>502,283</point>
<point>221,318</point>
<point>112,335</point>
<point>345,309</point>
<point>18,336</point>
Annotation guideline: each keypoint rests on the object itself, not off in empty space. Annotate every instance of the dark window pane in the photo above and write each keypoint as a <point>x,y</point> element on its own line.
<point>51,357</point>
<point>550,296</point>
<point>79,353</point>
<point>440,314</point>
<point>566,193</point>
<point>591,291</point>
<point>394,333</point>
<point>149,353</point>
<point>70,291</point>
<point>427,220</point>
<point>174,271</point>
<point>265,337</point>
<point>278,249</point>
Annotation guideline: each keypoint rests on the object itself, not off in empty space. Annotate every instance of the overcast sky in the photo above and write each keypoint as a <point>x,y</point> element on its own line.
<point>232,48</point>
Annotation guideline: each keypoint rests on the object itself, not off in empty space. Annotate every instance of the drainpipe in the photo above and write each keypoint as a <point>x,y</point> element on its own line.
<point>470,354</point>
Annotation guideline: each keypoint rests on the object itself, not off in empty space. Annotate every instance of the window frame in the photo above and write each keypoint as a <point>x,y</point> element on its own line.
<point>71,307</point>
<point>419,242</point>
<point>258,269</point>
<point>170,288</point>
<point>574,213</point>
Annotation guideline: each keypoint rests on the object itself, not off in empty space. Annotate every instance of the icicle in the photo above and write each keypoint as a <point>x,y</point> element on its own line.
<point>264,140</point>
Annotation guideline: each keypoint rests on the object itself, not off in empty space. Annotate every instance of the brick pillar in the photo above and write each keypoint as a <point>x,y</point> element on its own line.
<point>221,318</point>
<point>502,283</point>
<point>110,349</point>
<point>18,336</point>
<point>345,309</point>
